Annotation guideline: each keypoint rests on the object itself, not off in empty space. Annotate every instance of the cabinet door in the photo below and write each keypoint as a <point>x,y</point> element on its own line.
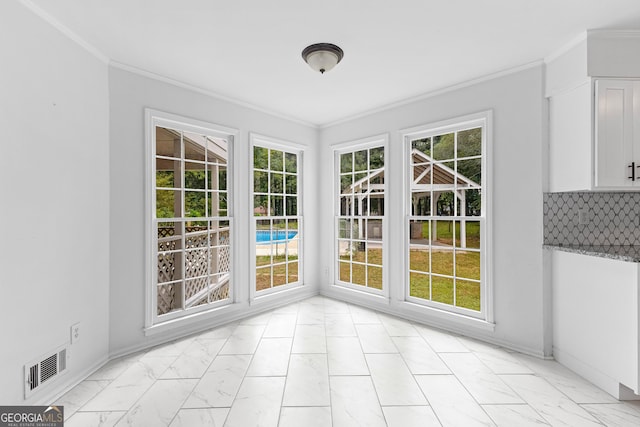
<point>614,134</point>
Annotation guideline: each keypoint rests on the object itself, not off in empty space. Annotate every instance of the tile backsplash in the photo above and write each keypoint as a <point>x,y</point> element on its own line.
<point>591,218</point>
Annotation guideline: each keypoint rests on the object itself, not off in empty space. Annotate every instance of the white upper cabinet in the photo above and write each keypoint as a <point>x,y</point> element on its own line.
<point>617,136</point>
<point>593,90</point>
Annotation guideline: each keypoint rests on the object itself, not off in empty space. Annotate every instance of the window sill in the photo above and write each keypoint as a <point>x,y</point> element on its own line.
<point>445,319</point>
<point>188,320</point>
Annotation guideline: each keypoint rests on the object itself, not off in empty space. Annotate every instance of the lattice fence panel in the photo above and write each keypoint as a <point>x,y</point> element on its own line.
<point>224,252</point>
<point>166,299</point>
<point>195,266</point>
<point>220,293</point>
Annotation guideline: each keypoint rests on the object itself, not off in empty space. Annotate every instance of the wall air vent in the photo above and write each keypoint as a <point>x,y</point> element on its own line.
<point>42,371</point>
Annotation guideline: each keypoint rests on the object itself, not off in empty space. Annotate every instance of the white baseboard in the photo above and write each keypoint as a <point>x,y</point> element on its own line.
<point>65,383</point>
<point>595,376</point>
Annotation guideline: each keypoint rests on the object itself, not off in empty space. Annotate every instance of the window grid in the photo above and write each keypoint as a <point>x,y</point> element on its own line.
<point>445,257</point>
<point>191,221</point>
<point>360,217</point>
<point>278,222</point>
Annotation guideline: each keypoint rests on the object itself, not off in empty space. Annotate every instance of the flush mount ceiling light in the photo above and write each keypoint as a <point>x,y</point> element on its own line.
<point>322,56</point>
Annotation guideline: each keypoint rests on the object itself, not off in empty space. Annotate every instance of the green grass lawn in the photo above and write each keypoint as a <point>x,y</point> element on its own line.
<point>445,233</point>
<point>280,274</point>
<point>467,266</point>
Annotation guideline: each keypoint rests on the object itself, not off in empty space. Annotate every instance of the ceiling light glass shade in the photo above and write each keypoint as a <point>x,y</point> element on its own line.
<point>322,56</point>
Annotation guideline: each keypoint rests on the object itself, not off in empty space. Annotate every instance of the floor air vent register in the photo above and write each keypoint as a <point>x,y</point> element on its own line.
<point>44,370</point>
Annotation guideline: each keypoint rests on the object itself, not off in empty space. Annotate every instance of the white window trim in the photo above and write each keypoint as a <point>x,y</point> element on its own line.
<point>484,119</point>
<point>154,118</point>
<point>256,139</point>
<point>359,291</point>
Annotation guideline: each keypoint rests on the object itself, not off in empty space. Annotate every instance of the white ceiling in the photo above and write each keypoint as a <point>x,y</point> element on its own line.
<point>249,50</point>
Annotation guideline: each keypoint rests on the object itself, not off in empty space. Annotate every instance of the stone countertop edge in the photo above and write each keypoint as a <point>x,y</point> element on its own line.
<point>621,253</point>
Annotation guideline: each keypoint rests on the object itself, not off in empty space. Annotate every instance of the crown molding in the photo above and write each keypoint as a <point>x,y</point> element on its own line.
<point>66,31</point>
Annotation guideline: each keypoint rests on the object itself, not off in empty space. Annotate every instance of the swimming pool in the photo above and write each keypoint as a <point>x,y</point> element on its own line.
<point>266,236</point>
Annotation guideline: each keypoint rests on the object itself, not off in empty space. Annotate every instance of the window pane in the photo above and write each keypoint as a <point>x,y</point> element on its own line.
<point>194,204</point>
<point>292,247</point>
<point>344,229</point>
<point>358,274</point>
<point>360,182</point>
<point>374,277</point>
<point>279,274</point>
<point>277,183</point>
<point>222,204</point>
<point>345,205</point>
<point>473,203</point>
<point>419,232</point>
<point>345,271</point>
<point>291,162</point>
<point>169,236</point>
<point>421,177</point>
<point>213,177</point>
<point>167,268</point>
<point>168,142</point>
<point>376,206</point>
<point>374,229</point>
<point>468,294</point>
<point>443,147</point>
<point>419,285</point>
<point>293,272</point>
<point>194,175</point>
<point>469,173</point>
<point>291,184</point>
<point>374,254</point>
<point>196,291</point>
<point>260,158</point>
<point>344,250</point>
<point>219,288</point>
<point>469,234</point>
<point>222,178</point>
<point>468,264</point>
<point>214,203</point>
<point>194,146</point>
<point>167,173</point>
<point>422,146</point>
<point>442,233</point>
<point>470,142</point>
<point>291,206</point>
<point>442,261</point>
<point>168,204</point>
<point>346,162</point>
<point>277,205</point>
<point>376,158</point>
<point>167,298</point>
<point>359,251</point>
<point>261,205</point>
<point>263,278</point>
<point>442,290</point>
<point>346,182</point>
<point>292,224</point>
<point>277,163</point>
<point>445,203</point>
<point>260,182</point>
<point>360,160</point>
<point>419,257</point>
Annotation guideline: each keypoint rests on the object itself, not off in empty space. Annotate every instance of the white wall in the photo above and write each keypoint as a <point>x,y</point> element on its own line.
<point>54,166</point>
<point>130,93</point>
<point>518,176</point>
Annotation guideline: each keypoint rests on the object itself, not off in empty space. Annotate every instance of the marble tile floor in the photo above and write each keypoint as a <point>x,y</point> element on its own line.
<point>322,362</point>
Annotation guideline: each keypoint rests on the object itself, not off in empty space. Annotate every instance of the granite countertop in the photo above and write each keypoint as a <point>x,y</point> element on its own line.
<point>622,253</point>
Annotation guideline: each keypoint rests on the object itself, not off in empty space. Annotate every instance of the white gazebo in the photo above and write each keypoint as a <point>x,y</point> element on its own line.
<point>432,179</point>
